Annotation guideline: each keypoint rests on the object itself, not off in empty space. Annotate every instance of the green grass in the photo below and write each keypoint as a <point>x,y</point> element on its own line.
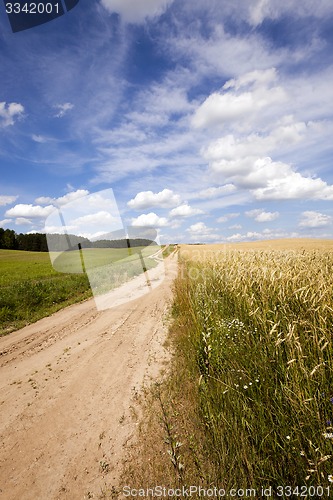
<point>30,288</point>
<point>16,264</point>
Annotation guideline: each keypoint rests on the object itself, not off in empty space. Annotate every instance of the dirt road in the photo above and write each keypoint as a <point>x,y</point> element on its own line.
<point>68,390</point>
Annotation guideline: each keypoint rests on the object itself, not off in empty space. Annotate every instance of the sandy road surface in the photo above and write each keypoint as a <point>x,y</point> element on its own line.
<point>68,387</point>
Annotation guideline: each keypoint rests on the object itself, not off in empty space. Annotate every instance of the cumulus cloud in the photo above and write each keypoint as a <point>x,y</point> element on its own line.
<point>314,219</point>
<point>7,200</point>
<point>63,108</point>
<point>184,211</point>
<point>67,198</point>
<point>261,216</point>
<point>149,220</point>
<point>4,222</point>
<point>22,221</point>
<point>145,199</point>
<point>291,185</point>
<point>234,161</point>
<point>9,113</point>
<point>256,145</point>
<point>101,217</point>
<point>136,11</point>
<point>200,232</point>
<point>29,211</point>
<point>246,161</point>
<point>231,105</point>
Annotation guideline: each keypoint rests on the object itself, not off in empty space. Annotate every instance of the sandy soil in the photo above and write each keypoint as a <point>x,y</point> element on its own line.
<point>68,390</point>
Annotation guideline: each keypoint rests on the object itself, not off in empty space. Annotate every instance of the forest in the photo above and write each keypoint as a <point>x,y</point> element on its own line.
<point>38,242</point>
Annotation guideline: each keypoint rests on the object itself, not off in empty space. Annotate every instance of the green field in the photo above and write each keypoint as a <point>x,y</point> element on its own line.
<point>30,287</point>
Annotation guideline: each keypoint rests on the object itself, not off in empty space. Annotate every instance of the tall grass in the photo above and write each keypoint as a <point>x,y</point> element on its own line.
<point>28,300</point>
<point>255,329</point>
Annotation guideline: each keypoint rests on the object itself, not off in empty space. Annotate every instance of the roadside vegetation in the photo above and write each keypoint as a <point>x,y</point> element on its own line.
<point>248,401</point>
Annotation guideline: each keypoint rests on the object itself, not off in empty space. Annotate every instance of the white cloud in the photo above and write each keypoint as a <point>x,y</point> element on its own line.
<point>74,195</point>
<point>222,54</point>
<point>9,112</point>
<point>234,161</point>
<point>256,78</point>
<point>149,220</point>
<point>98,218</point>
<point>230,105</point>
<point>200,232</point>
<point>266,234</point>
<point>39,138</point>
<point>44,200</point>
<point>29,211</point>
<point>184,211</point>
<point>214,192</point>
<point>261,216</point>
<point>259,11</point>
<point>290,185</point>
<point>4,222</point>
<point>226,217</point>
<point>161,99</point>
<point>218,108</point>
<point>255,145</point>
<point>314,219</point>
<point>22,221</point>
<point>63,200</point>
<point>136,11</point>
<point>50,229</point>
<point>145,199</point>
<point>7,200</point>
<point>63,108</point>
<point>274,9</point>
<point>250,235</point>
<point>246,160</point>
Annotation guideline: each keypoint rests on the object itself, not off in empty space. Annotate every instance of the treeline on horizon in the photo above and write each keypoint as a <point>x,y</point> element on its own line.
<point>38,242</point>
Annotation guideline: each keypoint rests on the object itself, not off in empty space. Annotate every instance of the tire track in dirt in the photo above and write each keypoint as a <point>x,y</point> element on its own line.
<point>68,390</point>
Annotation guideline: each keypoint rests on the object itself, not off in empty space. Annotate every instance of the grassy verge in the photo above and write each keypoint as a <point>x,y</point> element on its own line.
<point>249,399</point>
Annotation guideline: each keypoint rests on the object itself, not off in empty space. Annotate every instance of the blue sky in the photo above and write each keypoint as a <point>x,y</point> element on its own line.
<point>211,121</point>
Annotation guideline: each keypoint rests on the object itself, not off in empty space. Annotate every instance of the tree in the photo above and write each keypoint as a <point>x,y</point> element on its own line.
<point>8,239</point>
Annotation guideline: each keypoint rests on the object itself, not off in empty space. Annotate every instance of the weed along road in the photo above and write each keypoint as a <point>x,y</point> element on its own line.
<point>68,391</point>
